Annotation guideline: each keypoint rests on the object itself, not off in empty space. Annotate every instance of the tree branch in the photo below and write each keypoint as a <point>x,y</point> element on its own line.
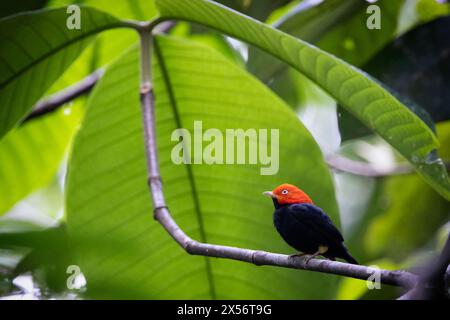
<point>57,100</point>
<point>163,216</point>
<point>343,164</point>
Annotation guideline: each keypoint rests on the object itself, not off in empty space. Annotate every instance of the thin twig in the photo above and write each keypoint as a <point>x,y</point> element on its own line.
<point>163,216</point>
<point>343,164</point>
<point>60,98</point>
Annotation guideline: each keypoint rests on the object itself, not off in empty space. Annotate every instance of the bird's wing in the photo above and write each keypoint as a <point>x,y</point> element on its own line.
<point>317,220</point>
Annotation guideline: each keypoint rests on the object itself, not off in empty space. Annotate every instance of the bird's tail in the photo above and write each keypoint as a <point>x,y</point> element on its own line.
<point>348,257</point>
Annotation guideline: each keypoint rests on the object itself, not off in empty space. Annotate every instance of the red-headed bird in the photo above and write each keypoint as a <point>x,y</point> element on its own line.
<point>304,226</point>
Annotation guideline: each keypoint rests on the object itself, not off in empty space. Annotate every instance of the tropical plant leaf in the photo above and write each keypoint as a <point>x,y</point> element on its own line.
<point>257,9</point>
<point>308,21</point>
<point>354,289</point>
<point>8,8</point>
<point>108,202</point>
<point>408,56</point>
<point>401,225</point>
<point>421,11</point>
<point>123,9</point>
<point>31,154</point>
<point>417,69</point>
<point>357,92</point>
<point>338,27</point>
<point>105,49</point>
<point>35,49</point>
<point>353,42</point>
<point>47,251</point>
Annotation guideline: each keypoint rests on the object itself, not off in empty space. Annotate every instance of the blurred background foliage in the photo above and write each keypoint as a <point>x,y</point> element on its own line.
<point>392,221</point>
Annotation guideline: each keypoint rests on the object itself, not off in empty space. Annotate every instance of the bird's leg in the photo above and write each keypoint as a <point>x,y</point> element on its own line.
<point>299,254</point>
<point>312,256</point>
<point>322,250</point>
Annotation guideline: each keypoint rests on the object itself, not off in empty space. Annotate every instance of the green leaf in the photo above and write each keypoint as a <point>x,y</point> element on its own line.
<point>338,27</point>
<point>417,66</point>
<point>35,49</point>
<point>49,252</point>
<point>354,289</point>
<point>308,21</point>
<point>8,8</point>
<point>353,42</point>
<point>422,11</point>
<point>357,92</point>
<point>31,154</point>
<point>123,251</point>
<point>257,9</point>
<point>123,9</point>
<point>219,43</point>
<point>105,49</point>
<point>410,212</point>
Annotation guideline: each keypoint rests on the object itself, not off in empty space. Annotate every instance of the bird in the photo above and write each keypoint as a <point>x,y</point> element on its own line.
<point>305,226</point>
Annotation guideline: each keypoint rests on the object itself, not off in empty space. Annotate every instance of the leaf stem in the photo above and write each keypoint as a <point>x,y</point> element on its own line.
<point>146,43</point>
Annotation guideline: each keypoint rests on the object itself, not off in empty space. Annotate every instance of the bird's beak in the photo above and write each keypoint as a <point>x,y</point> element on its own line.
<point>269,194</point>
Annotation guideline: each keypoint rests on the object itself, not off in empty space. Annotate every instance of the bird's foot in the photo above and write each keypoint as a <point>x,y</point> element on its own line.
<point>309,258</point>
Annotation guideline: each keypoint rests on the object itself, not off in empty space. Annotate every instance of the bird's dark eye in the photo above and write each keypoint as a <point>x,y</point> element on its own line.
<point>284,192</point>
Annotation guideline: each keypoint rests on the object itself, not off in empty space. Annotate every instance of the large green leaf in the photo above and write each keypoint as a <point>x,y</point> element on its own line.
<point>45,252</point>
<point>354,90</point>
<point>8,8</point>
<point>105,49</point>
<point>338,27</point>
<point>257,9</point>
<point>353,42</point>
<point>417,66</point>
<point>353,289</point>
<point>35,49</point>
<point>123,251</point>
<point>123,9</point>
<point>31,154</point>
<point>308,21</point>
<point>400,227</point>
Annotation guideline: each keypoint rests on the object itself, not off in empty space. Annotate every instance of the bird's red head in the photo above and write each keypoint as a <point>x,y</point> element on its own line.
<point>288,194</point>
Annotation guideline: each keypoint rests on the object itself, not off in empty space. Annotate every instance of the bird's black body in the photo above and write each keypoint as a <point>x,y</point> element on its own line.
<point>305,227</point>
